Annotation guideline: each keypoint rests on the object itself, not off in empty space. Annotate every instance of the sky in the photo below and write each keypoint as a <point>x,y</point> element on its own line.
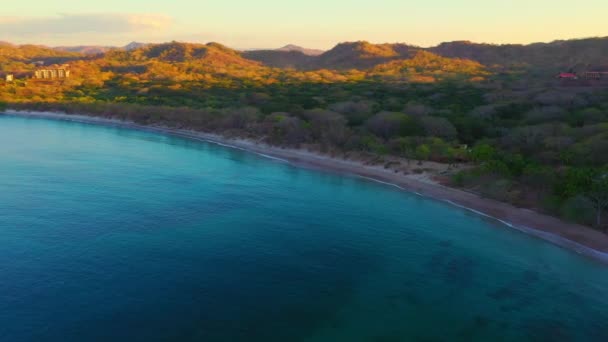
<point>249,24</point>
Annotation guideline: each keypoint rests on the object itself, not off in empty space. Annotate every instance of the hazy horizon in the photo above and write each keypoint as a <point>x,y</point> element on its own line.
<point>316,24</point>
<point>286,44</point>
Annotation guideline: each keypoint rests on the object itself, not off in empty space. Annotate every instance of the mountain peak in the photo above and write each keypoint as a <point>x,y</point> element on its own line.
<point>134,45</point>
<point>210,54</point>
<point>293,47</point>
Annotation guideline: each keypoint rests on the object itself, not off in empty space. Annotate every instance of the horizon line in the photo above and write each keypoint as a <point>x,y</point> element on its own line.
<point>302,46</point>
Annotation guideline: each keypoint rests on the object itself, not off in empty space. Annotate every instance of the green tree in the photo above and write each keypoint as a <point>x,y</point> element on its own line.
<point>483,153</point>
<point>422,153</point>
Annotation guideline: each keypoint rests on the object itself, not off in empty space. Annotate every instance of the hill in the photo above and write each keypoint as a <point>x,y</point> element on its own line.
<point>308,52</point>
<point>20,58</point>
<point>134,45</point>
<point>177,52</point>
<point>280,58</point>
<point>29,52</point>
<point>425,66</point>
<point>289,56</point>
<point>578,54</point>
<point>179,62</point>
<point>362,55</point>
<point>565,54</point>
<point>344,56</point>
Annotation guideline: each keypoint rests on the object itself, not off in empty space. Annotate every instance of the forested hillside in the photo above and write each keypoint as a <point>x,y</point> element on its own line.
<point>575,54</point>
<point>579,54</point>
<point>525,137</point>
<point>18,59</point>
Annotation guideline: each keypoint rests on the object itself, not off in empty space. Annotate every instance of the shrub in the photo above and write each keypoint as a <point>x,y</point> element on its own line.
<point>458,179</point>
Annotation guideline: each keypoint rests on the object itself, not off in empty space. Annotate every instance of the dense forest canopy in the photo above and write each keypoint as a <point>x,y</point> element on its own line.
<point>531,139</point>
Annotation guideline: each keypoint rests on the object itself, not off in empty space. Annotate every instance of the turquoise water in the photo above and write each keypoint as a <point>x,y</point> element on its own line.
<point>109,234</point>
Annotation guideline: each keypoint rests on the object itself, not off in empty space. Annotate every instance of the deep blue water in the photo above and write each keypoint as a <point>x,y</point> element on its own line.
<point>109,234</point>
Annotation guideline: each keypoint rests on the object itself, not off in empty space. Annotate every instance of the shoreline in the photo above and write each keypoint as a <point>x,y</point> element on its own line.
<point>574,237</point>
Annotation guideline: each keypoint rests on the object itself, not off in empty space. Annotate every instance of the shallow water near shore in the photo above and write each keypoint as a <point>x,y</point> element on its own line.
<point>115,234</point>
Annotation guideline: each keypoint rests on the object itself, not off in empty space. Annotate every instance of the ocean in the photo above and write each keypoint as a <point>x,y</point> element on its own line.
<point>110,234</point>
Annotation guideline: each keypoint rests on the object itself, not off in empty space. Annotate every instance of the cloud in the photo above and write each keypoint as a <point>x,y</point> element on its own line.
<point>67,24</point>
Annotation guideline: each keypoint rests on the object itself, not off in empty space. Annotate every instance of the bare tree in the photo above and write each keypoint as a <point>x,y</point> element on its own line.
<point>327,127</point>
<point>598,194</point>
<point>417,109</point>
<point>390,124</point>
<point>438,127</point>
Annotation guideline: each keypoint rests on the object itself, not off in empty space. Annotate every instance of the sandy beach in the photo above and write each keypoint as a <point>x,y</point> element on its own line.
<point>578,238</point>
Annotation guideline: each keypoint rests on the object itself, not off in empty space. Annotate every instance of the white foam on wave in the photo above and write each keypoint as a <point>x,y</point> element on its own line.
<point>381,182</point>
<point>470,209</point>
<point>547,236</point>
<point>271,157</point>
<point>506,223</point>
<point>246,150</point>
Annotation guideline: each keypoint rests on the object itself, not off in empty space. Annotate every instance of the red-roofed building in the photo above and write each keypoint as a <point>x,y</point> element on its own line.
<point>567,75</point>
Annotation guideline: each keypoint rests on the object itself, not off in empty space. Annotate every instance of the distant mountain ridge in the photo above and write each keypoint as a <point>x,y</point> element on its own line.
<point>289,56</point>
<point>562,54</point>
<point>577,54</point>
<point>134,45</point>
<point>177,52</point>
<point>96,49</point>
<point>18,58</point>
<point>85,49</point>
<point>308,52</point>
<point>362,55</point>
